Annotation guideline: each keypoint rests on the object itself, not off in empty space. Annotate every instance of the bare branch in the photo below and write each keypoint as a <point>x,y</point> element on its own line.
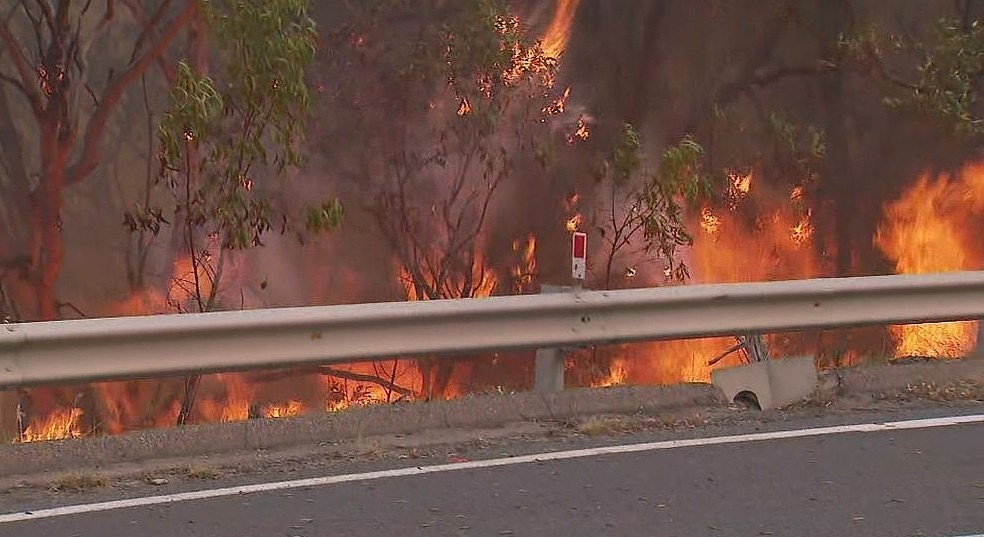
<point>149,25</point>
<point>62,15</point>
<point>16,84</point>
<point>358,377</point>
<point>91,149</point>
<point>36,26</point>
<point>48,14</point>
<point>138,13</point>
<point>730,350</point>
<point>28,82</point>
<point>71,306</point>
<point>92,94</point>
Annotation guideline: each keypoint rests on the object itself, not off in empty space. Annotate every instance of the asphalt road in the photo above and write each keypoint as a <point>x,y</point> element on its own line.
<point>903,483</point>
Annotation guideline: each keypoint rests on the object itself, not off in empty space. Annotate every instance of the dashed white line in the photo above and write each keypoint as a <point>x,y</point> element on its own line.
<point>490,463</point>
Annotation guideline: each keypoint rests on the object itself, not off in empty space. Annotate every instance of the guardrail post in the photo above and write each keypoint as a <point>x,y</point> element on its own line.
<point>548,371</point>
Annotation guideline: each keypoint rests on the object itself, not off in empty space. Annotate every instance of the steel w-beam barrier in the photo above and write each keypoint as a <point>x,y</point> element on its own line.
<point>138,347</point>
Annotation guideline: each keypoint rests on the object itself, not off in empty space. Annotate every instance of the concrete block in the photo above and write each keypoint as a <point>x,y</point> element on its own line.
<point>774,383</point>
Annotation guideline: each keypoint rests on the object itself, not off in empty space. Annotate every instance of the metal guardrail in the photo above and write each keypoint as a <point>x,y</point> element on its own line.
<point>139,347</point>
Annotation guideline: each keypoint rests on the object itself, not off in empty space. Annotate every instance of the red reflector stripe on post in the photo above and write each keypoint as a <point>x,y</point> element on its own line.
<point>580,245</point>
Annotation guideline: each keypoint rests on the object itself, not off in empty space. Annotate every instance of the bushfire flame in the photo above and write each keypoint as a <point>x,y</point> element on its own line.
<point>60,424</point>
<point>929,228</point>
<point>555,38</point>
<point>932,228</point>
<point>728,247</point>
<point>524,272</point>
<point>284,410</point>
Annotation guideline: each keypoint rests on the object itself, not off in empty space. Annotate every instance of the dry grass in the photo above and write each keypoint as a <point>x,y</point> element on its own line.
<point>599,426</point>
<point>201,472</point>
<point>621,424</point>
<point>958,390</point>
<point>80,482</point>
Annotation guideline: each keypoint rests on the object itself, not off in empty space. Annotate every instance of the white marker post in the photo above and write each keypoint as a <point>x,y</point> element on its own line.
<point>548,375</point>
<point>579,249</point>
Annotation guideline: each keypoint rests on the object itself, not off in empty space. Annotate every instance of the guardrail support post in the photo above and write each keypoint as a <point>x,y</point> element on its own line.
<point>548,376</point>
<point>548,371</point>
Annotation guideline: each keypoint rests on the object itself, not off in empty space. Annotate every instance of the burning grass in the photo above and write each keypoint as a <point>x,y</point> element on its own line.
<point>60,424</point>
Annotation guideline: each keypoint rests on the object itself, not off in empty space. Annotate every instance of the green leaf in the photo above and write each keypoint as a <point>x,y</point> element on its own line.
<point>217,132</point>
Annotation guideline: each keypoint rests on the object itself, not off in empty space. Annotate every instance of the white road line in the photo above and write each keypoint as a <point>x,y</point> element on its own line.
<point>489,463</point>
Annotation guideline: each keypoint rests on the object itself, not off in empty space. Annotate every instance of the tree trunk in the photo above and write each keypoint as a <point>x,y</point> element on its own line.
<point>48,204</point>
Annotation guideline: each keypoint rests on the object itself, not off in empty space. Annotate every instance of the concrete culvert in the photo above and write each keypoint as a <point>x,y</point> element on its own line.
<point>748,400</point>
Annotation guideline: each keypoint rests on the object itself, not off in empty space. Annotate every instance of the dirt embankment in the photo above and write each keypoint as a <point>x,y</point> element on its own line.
<point>420,428</point>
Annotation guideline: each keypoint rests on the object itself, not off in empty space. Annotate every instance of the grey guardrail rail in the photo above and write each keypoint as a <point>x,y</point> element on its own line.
<point>159,345</point>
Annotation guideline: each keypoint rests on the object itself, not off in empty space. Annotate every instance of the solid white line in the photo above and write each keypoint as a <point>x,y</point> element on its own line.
<point>489,463</point>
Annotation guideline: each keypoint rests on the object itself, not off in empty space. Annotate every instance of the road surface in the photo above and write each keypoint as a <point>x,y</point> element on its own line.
<point>923,478</point>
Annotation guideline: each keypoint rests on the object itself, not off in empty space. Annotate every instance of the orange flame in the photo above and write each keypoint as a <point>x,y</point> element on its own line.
<point>60,424</point>
<point>283,410</point>
<point>574,218</point>
<point>710,223</point>
<point>559,31</point>
<point>728,247</point>
<point>618,374</point>
<point>482,278</point>
<point>524,272</point>
<point>233,407</point>
<point>930,228</point>
<point>581,131</point>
